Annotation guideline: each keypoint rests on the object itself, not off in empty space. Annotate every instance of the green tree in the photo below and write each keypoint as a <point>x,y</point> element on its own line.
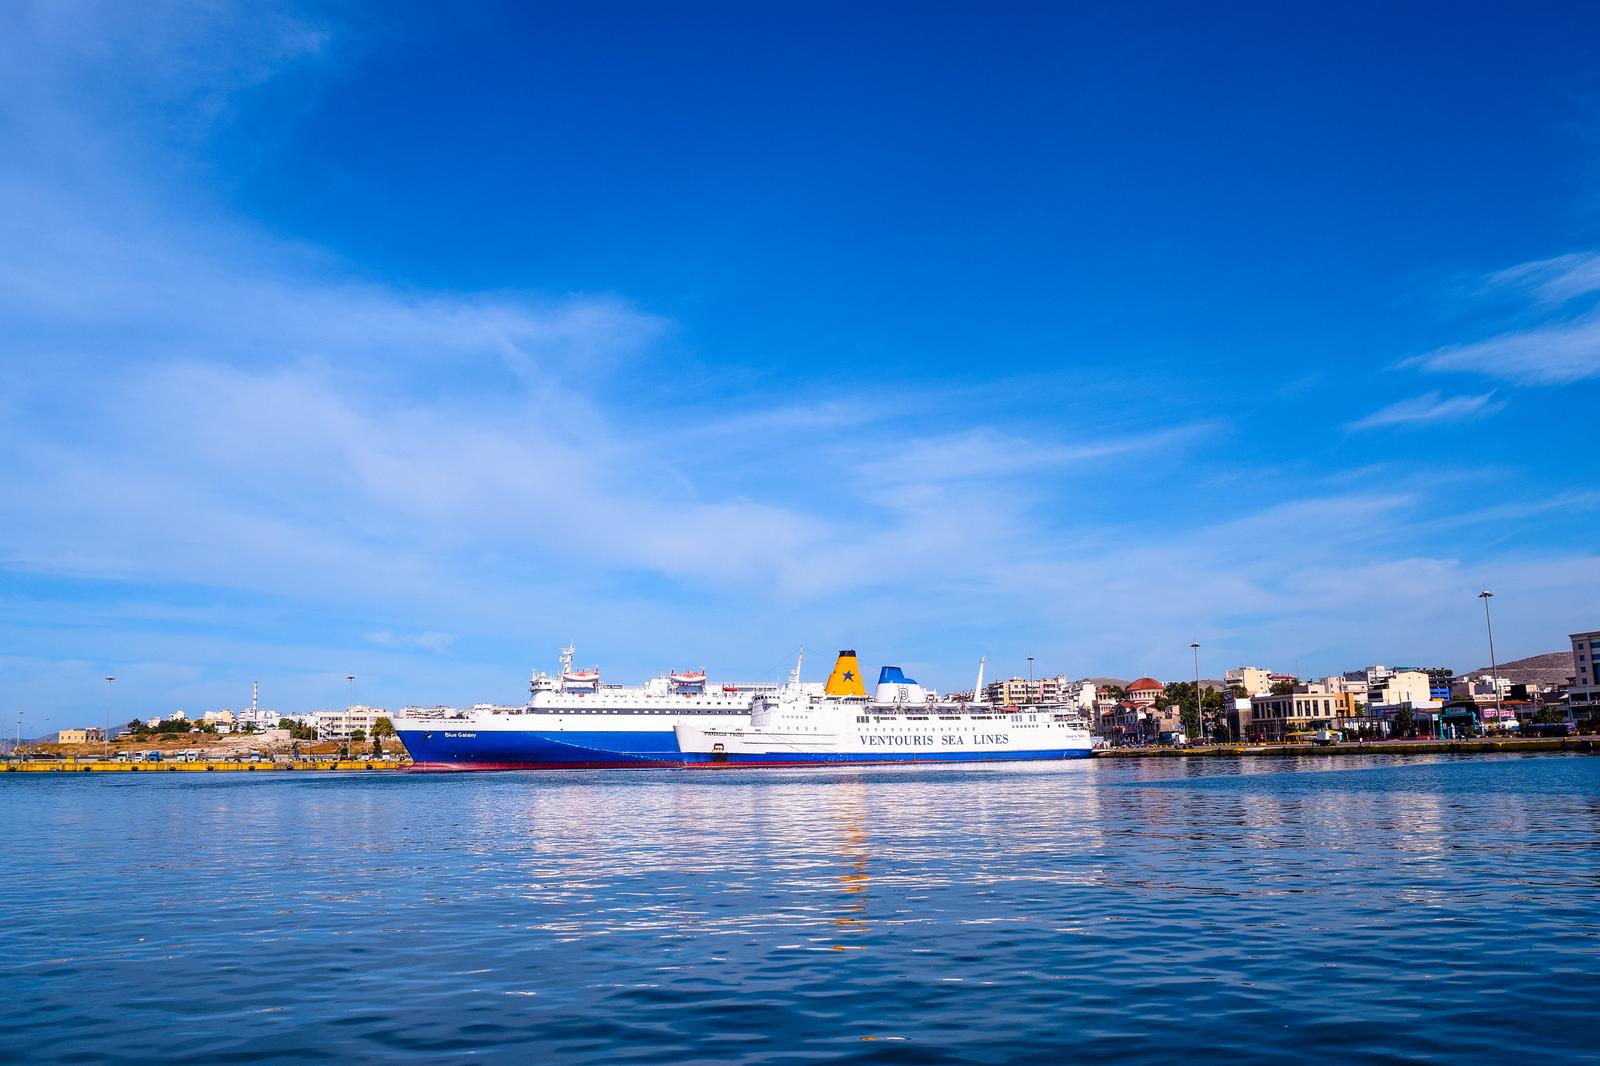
<point>358,735</point>
<point>382,729</point>
<point>1405,720</point>
<point>1283,688</point>
<point>1203,719</point>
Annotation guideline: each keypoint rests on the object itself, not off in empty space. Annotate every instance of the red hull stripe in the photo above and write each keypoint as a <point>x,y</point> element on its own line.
<point>454,767</point>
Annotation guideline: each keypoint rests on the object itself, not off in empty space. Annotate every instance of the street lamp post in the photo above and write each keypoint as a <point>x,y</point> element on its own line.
<point>1030,680</point>
<point>1494,667</point>
<point>351,678</point>
<point>1199,705</point>
<point>105,740</point>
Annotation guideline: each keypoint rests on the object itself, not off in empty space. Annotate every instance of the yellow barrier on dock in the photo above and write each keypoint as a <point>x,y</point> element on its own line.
<point>114,766</point>
<point>1480,746</point>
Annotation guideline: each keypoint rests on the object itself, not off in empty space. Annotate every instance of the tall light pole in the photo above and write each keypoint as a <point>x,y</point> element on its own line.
<point>106,738</point>
<point>1030,680</point>
<point>1199,706</point>
<point>18,746</point>
<point>351,678</point>
<point>1494,667</point>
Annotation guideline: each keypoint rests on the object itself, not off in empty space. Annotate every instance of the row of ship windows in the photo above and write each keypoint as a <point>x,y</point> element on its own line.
<point>635,710</point>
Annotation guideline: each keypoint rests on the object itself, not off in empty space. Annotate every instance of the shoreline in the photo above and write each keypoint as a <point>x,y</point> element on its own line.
<point>1583,745</point>
<point>113,766</point>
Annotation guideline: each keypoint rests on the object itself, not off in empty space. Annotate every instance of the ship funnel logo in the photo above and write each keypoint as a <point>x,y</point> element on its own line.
<point>846,677</point>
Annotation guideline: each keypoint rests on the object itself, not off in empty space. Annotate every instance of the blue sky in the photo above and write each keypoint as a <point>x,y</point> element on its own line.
<point>412,342</point>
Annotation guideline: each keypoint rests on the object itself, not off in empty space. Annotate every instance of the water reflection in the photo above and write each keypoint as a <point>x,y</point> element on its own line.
<point>1301,909</point>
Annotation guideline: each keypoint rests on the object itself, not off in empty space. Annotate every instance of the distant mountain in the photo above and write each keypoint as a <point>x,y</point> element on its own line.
<point>1551,668</point>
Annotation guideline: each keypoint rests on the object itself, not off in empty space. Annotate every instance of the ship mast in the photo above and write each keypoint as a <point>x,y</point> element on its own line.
<point>977,689</point>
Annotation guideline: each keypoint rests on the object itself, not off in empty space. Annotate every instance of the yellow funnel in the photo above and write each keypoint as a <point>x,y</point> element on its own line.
<point>846,677</point>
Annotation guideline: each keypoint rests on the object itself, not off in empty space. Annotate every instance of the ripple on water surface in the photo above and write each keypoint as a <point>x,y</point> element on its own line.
<point>1258,910</point>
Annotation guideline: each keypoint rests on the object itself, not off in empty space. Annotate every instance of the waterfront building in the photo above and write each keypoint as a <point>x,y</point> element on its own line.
<point>1483,689</point>
<point>1079,694</point>
<point>1126,721</point>
<point>224,720</point>
<point>1399,687</point>
<point>92,734</point>
<point>1240,713</point>
<point>1584,694</point>
<point>1019,690</point>
<point>1252,679</point>
<point>341,725</point>
<point>1308,707</point>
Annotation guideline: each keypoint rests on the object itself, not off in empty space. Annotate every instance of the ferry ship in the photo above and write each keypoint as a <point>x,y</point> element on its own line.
<point>901,722</point>
<point>573,720</point>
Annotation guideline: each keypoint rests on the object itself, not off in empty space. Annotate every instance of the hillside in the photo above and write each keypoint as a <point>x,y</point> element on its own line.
<point>1550,668</point>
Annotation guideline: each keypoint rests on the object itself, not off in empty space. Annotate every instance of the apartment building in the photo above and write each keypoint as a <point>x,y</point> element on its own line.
<point>1019,690</point>
<point>1584,694</point>
<point>1252,679</point>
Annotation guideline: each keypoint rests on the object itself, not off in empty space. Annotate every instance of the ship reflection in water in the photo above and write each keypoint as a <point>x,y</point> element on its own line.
<point>1100,910</point>
<point>856,879</point>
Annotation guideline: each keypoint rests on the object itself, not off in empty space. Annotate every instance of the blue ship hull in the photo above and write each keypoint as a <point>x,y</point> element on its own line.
<point>464,748</point>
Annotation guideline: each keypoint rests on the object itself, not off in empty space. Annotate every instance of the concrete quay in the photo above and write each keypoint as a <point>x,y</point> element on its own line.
<point>113,766</point>
<point>1586,745</point>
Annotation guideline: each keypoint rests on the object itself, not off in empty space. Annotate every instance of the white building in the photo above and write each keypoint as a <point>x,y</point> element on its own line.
<point>339,725</point>
<point>262,718</point>
<point>1483,689</point>
<point>1404,688</point>
<point>1080,694</point>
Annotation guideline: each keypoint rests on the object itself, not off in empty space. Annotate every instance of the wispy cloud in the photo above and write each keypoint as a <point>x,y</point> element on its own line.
<point>434,642</point>
<point>1554,280</point>
<point>1430,407</point>
<point>1555,354</point>
<point>1563,344</point>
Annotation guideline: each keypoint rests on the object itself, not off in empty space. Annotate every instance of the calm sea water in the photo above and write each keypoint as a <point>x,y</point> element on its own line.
<point>1254,911</point>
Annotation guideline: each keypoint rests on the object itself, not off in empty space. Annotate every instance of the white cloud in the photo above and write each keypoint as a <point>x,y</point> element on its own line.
<point>1555,354</point>
<point>1557,351</point>
<point>1554,280</point>
<point>1428,408</point>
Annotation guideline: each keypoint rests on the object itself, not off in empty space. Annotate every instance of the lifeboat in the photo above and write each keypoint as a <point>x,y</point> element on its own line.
<point>697,677</point>
<point>581,677</point>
